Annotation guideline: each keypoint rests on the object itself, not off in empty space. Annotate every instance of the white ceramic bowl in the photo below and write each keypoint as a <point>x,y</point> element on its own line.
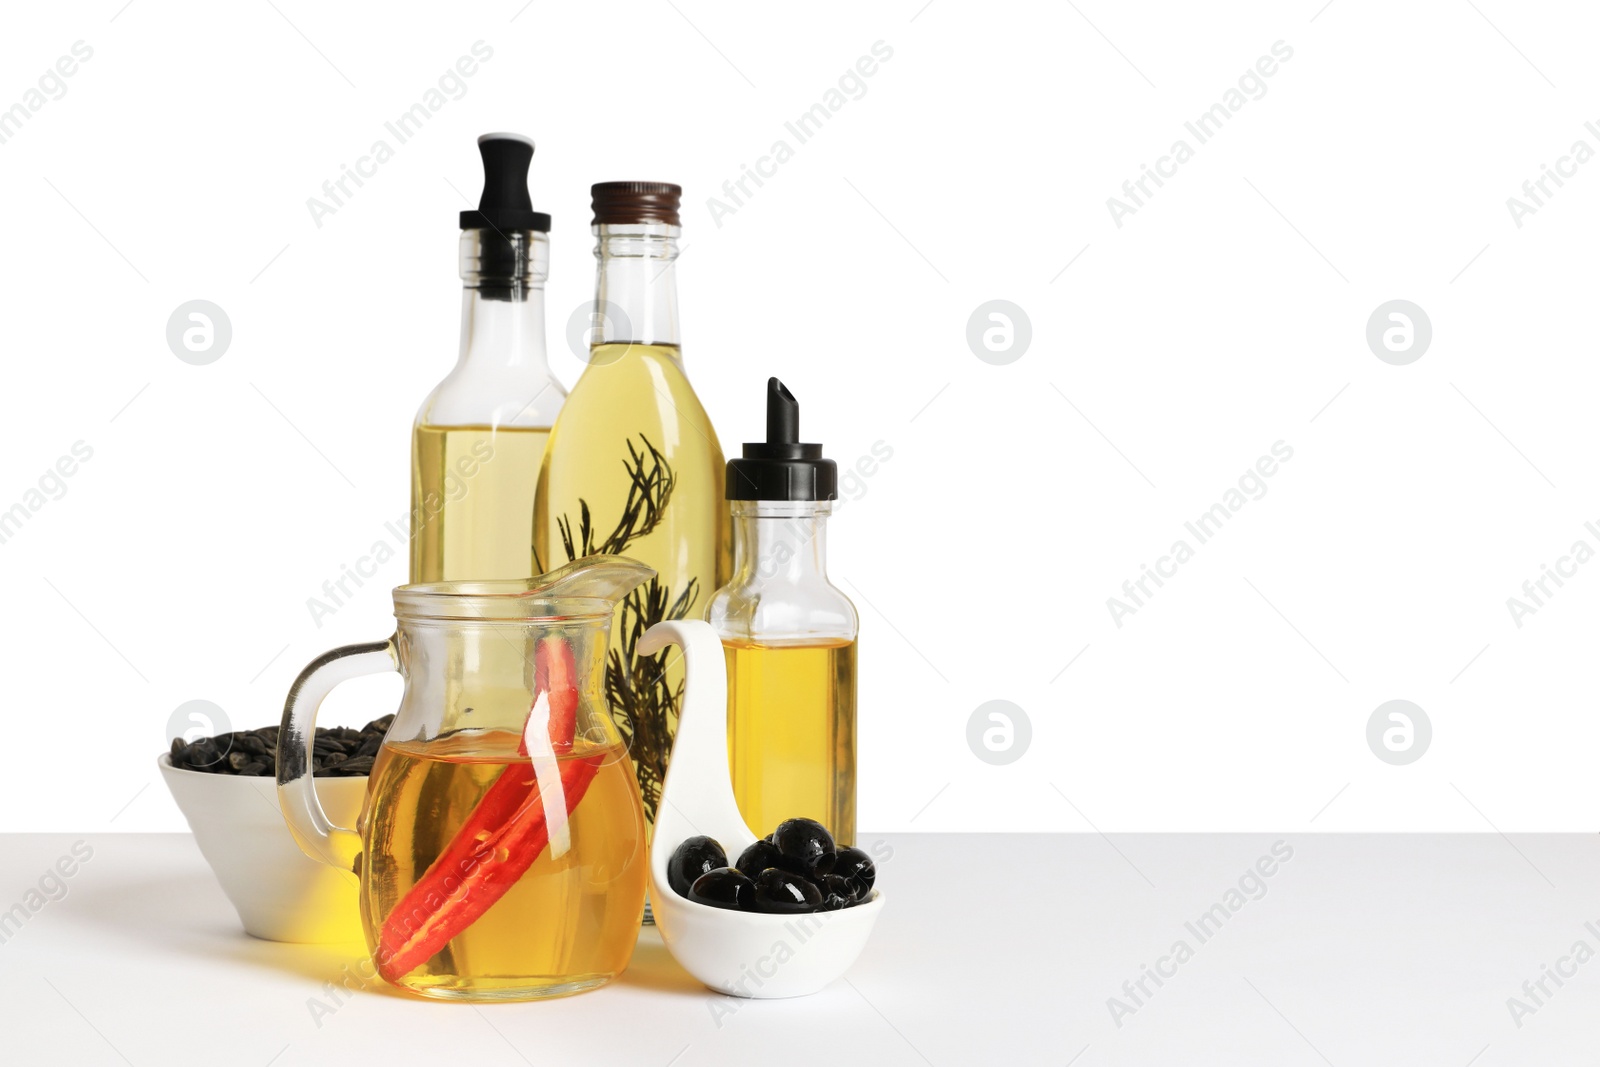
<point>735,952</point>
<point>279,893</point>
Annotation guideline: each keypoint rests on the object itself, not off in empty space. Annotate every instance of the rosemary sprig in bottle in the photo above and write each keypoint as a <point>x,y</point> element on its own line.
<point>650,484</point>
<point>643,703</point>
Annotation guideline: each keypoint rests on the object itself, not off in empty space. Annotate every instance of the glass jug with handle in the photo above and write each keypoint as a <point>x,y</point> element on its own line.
<point>501,848</point>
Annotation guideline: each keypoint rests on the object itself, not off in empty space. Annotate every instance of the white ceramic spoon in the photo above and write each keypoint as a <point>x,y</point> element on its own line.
<point>739,953</point>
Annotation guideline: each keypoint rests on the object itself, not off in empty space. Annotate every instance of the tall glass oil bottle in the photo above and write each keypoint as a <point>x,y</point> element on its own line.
<point>789,636</point>
<point>633,465</point>
<point>480,435</point>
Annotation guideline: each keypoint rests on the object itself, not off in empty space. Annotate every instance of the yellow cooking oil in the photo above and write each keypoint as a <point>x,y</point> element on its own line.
<point>569,923</point>
<point>472,490</point>
<point>791,733</point>
<point>634,468</point>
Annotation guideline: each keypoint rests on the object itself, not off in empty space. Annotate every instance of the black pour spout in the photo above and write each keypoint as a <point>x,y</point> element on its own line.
<point>782,467</point>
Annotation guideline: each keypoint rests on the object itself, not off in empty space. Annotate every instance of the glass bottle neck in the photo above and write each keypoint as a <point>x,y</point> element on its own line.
<point>502,299</point>
<point>636,291</point>
<point>780,540</point>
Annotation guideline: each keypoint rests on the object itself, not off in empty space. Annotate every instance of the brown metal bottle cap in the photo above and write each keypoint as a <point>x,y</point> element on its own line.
<point>632,203</point>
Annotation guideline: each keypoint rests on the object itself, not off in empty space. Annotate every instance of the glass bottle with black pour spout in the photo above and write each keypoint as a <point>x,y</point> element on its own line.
<point>789,636</point>
<point>633,465</point>
<point>480,435</point>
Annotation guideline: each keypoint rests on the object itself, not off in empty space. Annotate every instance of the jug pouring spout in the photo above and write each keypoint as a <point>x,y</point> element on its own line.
<point>597,577</point>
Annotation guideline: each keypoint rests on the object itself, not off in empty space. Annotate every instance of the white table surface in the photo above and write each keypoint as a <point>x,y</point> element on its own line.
<point>1362,950</point>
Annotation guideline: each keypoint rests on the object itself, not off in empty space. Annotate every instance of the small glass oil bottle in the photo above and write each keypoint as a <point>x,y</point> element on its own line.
<point>789,636</point>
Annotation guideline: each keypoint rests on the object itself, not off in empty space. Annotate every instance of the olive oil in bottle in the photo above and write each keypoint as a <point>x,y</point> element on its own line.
<point>789,636</point>
<point>482,480</point>
<point>480,435</point>
<point>634,467</point>
<point>792,733</point>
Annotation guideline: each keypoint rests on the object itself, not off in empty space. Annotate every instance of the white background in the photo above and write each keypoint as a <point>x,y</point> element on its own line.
<point>1227,314</point>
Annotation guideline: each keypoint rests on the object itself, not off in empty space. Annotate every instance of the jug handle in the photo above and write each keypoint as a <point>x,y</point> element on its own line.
<point>697,796</point>
<point>316,835</point>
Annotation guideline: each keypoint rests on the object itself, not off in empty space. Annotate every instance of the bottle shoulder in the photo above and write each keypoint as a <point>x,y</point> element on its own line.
<point>613,368</point>
<point>482,395</point>
<point>640,389</point>
<point>777,609</point>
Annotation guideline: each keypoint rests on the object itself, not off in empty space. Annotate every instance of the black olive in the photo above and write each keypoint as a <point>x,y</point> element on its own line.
<point>782,892</point>
<point>857,868</point>
<point>758,857</point>
<point>722,888</point>
<point>806,843</point>
<point>835,902</point>
<point>696,856</point>
<point>836,884</point>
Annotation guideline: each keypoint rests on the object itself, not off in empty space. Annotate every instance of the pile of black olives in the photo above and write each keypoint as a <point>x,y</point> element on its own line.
<point>796,868</point>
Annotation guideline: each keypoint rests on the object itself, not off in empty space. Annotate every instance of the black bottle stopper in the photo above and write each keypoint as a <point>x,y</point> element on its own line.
<point>505,204</point>
<point>504,217</point>
<point>782,468</point>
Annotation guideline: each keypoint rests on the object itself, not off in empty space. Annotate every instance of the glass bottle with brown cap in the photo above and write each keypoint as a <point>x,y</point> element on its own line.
<point>633,465</point>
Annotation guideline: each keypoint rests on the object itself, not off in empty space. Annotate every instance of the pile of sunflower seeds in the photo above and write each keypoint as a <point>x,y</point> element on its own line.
<point>337,752</point>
